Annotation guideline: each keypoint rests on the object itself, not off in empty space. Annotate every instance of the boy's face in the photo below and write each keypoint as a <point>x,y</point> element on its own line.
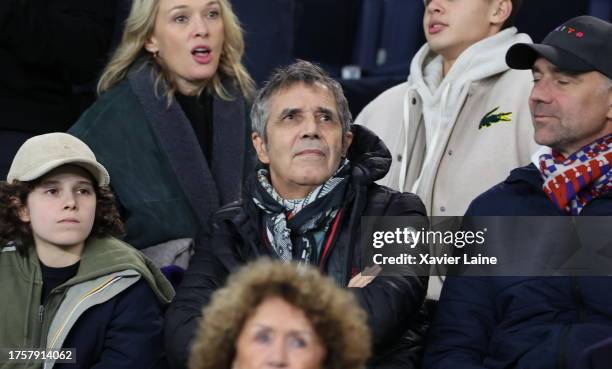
<point>451,26</point>
<point>61,209</point>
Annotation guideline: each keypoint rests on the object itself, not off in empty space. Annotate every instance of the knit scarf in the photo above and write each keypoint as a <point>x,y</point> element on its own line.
<point>302,223</point>
<point>572,182</point>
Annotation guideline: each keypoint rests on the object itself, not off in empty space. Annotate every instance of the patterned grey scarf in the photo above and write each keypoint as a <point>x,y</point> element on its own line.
<point>301,222</point>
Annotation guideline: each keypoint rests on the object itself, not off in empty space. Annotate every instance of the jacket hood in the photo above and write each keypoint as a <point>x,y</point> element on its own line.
<point>442,97</point>
<point>103,256</point>
<point>369,156</point>
<point>483,59</point>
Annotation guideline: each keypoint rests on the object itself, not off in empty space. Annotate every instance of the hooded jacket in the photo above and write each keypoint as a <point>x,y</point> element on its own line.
<point>520,322</point>
<point>392,303</point>
<point>110,311</point>
<point>453,137</point>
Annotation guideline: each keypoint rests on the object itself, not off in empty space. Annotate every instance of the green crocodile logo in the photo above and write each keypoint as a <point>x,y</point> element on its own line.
<point>493,117</point>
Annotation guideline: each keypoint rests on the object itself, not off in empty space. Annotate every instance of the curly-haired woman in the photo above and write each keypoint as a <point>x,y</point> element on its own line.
<point>279,315</point>
<point>66,282</point>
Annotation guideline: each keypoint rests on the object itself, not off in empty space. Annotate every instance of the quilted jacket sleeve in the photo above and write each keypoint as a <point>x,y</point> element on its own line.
<point>392,303</point>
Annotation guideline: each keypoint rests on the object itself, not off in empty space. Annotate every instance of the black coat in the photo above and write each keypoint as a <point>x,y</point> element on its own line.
<point>390,302</point>
<point>520,322</point>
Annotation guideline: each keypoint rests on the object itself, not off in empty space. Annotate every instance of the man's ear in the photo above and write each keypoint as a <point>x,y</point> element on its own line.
<point>346,143</point>
<point>260,148</point>
<point>500,12</point>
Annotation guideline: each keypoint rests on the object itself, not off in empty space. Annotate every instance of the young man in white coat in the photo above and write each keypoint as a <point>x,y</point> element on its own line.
<point>461,122</point>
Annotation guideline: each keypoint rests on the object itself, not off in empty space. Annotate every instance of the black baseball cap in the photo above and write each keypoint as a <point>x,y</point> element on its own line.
<point>581,44</point>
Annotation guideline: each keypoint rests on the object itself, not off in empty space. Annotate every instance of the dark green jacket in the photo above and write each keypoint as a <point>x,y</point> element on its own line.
<point>108,267</point>
<point>164,185</point>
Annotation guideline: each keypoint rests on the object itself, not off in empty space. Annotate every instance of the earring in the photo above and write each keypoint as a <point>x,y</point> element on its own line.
<point>156,54</point>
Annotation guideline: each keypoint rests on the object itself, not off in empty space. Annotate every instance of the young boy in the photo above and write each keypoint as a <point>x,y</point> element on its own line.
<point>65,281</point>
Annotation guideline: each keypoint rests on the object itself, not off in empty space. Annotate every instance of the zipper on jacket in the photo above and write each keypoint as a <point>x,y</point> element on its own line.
<point>561,359</point>
<point>577,295</point>
<point>90,293</point>
<point>42,340</point>
<point>41,319</point>
<point>329,240</point>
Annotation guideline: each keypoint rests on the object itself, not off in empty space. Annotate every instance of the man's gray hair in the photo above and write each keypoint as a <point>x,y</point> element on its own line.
<point>298,72</point>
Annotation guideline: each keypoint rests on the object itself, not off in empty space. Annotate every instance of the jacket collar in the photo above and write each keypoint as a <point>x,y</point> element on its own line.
<point>528,174</point>
<point>229,151</point>
<point>205,188</point>
<point>103,256</point>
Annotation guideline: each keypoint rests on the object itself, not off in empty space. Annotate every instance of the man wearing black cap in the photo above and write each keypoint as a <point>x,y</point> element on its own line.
<point>577,55</point>
<point>538,322</point>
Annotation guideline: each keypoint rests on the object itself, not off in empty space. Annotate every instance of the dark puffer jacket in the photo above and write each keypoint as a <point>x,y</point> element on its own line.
<point>520,322</point>
<point>392,303</point>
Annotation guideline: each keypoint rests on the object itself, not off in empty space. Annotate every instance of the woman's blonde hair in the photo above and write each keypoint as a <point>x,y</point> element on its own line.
<point>333,312</point>
<point>138,29</point>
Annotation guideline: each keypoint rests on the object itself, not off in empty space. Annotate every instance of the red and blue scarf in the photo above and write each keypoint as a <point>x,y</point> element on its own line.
<point>572,182</point>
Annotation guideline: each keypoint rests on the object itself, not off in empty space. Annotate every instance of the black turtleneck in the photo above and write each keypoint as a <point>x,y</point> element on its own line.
<point>198,110</point>
<point>53,277</point>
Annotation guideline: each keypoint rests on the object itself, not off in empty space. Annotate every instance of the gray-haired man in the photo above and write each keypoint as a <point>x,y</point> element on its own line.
<point>304,203</point>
